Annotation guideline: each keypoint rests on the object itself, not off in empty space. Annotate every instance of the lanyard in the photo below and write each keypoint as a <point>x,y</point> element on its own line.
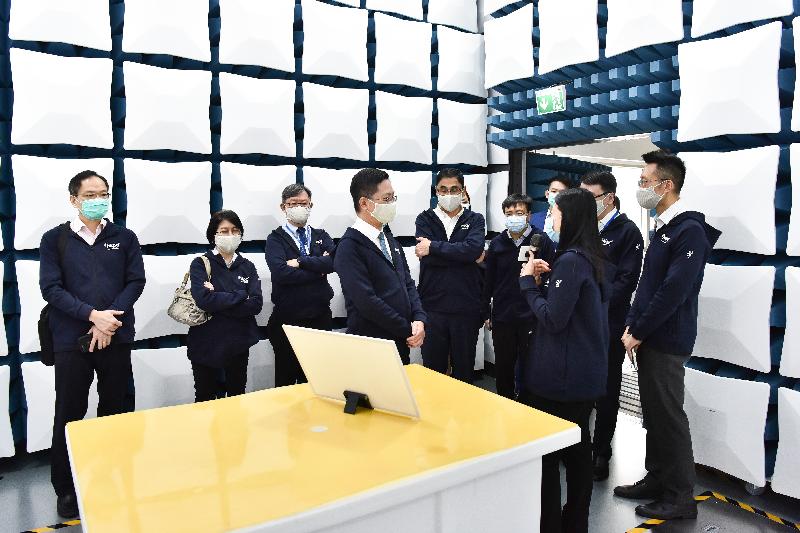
<point>610,221</point>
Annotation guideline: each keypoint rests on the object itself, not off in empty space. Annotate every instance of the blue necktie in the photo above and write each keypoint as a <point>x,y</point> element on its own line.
<point>384,248</point>
<point>301,234</point>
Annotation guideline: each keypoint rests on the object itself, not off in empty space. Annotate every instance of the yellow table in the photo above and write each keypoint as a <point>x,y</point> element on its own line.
<point>285,460</point>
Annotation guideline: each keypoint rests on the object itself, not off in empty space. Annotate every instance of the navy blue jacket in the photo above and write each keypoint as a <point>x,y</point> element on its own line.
<point>380,296</point>
<point>664,313</point>
<point>108,275</point>
<point>568,358</point>
<point>624,247</point>
<point>300,293</point>
<point>449,278</point>
<point>233,305</point>
<point>502,297</point>
<point>538,218</point>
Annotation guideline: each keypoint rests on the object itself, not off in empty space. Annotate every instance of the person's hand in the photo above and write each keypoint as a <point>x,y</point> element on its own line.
<point>106,321</point>
<point>208,285</point>
<point>294,263</point>
<point>631,344</point>
<point>488,324</point>
<point>100,340</point>
<point>423,247</point>
<point>481,258</point>
<point>417,335</point>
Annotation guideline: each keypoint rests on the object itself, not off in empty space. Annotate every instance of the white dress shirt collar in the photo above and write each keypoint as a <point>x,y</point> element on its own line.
<point>233,257</point>
<point>669,214</point>
<point>85,233</point>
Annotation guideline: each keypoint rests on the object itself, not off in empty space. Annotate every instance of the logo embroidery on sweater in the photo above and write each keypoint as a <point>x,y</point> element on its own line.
<point>244,279</point>
<point>558,283</point>
<point>689,254</point>
<point>110,246</point>
<point>664,239</point>
<point>464,226</point>
<point>606,242</point>
<point>319,241</point>
<point>638,246</point>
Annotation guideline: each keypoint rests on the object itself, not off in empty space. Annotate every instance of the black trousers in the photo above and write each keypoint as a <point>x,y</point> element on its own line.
<point>669,459</point>
<point>607,407</point>
<point>510,343</point>
<point>206,382</point>
<point>577,459</point>
<point>74,373</point>
<point>451,338</point>
<point>287,368</point>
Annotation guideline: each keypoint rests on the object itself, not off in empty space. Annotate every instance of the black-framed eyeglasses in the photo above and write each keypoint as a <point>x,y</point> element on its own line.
<point>386,199</point>
<point>642,182</point>
<point>600,195</point>
<point>452,190</point>
<point>234,231</point>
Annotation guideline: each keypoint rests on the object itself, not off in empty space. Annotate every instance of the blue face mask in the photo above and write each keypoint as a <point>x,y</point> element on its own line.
<point>516,224</point>
<point>95,209</point>
<point>548,229</point>
<point>552,199</point>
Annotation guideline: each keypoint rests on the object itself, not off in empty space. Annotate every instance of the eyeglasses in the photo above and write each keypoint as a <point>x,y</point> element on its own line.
<point>290,205</point>
<point>642,182</point>
<point>600,195</point>
<point>95,196</point>
<point>386,199</point>
<point>452,190</point>
<point>234,231</point>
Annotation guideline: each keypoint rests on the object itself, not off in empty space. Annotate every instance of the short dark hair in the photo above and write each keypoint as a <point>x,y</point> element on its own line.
<point>450,173</point>
<point>603,178</point>
<point>365,183</point>
<point>290,191</point>
<point>218,218</point>
<point>517,198</point>
<point>563,179</point>
<point>668,166</point>
<point>76,181</point>
<point>579,226</point>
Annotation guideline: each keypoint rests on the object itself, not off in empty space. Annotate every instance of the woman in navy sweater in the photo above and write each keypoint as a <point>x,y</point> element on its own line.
<point>567,364</point>
<point>233,299</point>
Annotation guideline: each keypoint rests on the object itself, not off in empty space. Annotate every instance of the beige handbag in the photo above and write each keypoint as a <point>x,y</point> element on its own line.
<point>183,307</point>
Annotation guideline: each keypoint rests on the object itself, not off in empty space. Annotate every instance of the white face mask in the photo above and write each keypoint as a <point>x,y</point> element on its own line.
<point>298,215</point>
<point>384,213</point>
<point>648,198</point>
<point>449,202</point>
<point>600,205</point>
<point>227,244</point>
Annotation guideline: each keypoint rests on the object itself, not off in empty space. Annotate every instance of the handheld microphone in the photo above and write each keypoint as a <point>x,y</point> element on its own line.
<point>526,252</point>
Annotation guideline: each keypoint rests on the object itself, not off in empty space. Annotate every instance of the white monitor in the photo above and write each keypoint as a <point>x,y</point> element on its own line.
<point>338,362</point>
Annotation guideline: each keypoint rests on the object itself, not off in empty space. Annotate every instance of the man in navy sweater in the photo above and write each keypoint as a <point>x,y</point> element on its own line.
<point>660,332</point>
<point>505,310</point>
<point>379,293</point>
<point>299,258</point>
<point>623,244</point>
<point>91,279</point>
<point>450,239</point>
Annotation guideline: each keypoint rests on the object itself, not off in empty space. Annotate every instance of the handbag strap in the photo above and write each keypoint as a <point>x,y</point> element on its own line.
<point>207,264</point>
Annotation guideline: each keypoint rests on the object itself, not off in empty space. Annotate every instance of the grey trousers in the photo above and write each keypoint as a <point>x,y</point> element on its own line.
<point>669,458</point>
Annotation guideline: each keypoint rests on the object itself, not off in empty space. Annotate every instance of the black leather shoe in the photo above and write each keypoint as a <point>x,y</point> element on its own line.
<point>67,506</point>
<point>668,511</point>
<point>600,469</point>
<point>645,489</point>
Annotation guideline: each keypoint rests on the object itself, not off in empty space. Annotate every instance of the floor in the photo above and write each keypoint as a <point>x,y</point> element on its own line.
<point>27,500</point>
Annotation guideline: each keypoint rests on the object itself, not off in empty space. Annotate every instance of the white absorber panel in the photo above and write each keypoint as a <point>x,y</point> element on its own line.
<point>408,8</point>
<point>257,33</point>
<point>6,437</point>
<point>163,377</point>
<point>793,240</point>
<point>335,122</point>
<point>334,40</point>
<point>31,304</point>
<point>257,115</point>
<point>488,346</point>
<point>164,275</point>
<point>461,62</point>
<point>61,100</point>
<point>86,23</point>
<point>42,182</point>
<point>459,13</point>
<point>636,23</point>
<point>790,359</point>
<point>509,47</point>
<point>333,206</point>
<point>264,275</point>
<point>413,190</point>
<point>716,99</point>
<point>727,418</point>
<point>167,109</point>
<point>177,27</point>
<point>338,308</point>
<point>719,183</point>
<point>787,462</point>
<point>568,33</point>
<point>40,396</point>
<point>3,341</point>
<point>733,315</point>
<point>168,202</point>
<point>498,191</point>
<point>404,128</point>
<point>462,133</point>
<point>254,193</point>
<point>402,52</point>
<point>477,188</point>
<point>709,16</point>
<point>260,367</point>
<point>796,106</point>
<point>413,262</point>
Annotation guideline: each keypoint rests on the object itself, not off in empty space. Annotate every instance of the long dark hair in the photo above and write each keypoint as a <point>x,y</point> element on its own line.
<point>579,226</point>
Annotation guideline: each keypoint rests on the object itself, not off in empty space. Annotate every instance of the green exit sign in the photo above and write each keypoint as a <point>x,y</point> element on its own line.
<point>551,100</point>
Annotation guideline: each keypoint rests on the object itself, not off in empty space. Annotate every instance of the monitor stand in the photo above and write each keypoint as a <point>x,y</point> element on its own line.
<point>353,400</point>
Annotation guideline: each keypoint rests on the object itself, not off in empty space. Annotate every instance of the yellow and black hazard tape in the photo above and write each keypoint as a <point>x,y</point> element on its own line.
<point>45,529</point>
<point>650,524</point>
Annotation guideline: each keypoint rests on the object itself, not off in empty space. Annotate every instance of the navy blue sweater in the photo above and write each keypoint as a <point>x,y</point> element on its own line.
<point>108,275</point>
<point>233,305</point>
<point>449,278</point>
<point>624,247</point>
<point>568,358</point>
<point>300,293</point>
<point>502,297</point>
<point>664,313</point>
<point>380,296</point>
